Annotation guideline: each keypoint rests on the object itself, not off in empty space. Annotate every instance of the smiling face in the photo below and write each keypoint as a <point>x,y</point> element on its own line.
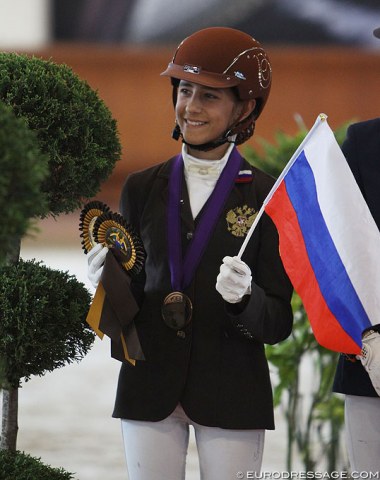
<point>205,113</point>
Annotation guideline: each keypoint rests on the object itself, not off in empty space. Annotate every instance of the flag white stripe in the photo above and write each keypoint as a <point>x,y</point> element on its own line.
<point>348,219</point>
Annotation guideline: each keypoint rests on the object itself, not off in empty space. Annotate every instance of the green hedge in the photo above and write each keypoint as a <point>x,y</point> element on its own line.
<point>23,168</point>
<point>42,321</point>
<point>20,466</point>
<point>73,126</point>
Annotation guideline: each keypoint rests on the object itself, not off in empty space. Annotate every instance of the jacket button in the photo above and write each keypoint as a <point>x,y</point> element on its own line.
<point>181,334</point>
<point>189,235</point>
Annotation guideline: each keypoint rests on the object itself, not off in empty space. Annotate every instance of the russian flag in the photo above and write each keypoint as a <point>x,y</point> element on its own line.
<point>329,242</point>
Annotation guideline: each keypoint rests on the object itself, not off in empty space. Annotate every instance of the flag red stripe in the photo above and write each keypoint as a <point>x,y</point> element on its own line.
<point>326,328</point>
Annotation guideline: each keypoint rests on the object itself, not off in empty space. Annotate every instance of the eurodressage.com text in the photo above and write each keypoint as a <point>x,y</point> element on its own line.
<point>308,475</point>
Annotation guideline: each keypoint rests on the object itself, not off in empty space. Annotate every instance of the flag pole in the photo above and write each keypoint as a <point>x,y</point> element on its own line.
<point>321,118</point>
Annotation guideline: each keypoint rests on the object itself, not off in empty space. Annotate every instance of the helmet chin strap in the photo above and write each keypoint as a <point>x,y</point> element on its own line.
<point>205,147</point>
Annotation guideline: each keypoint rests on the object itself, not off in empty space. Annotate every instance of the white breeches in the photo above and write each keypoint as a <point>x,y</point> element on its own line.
<point>157,450</point>
<point>362,421</point>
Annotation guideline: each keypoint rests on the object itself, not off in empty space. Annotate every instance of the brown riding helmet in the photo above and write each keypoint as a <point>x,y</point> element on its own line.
<point>222,57</point>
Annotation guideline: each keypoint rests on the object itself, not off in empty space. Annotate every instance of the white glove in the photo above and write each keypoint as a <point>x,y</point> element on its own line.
<point>234,280</point>
<point>370,358</point>
<point>95,260</point>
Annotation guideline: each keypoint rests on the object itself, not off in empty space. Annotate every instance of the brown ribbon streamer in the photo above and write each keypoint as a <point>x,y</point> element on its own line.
<point>113,310</point>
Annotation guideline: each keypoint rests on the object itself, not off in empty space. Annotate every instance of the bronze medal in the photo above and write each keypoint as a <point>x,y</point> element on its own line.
<point>177,310</point>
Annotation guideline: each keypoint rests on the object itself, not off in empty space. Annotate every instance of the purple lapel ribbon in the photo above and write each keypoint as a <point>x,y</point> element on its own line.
<point>182,269</point>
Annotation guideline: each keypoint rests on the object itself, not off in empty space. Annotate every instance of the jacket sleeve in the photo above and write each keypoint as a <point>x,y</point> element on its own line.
<point>266,315</point>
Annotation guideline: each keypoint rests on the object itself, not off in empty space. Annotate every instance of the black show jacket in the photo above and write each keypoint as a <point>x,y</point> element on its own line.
<point>216,367</point>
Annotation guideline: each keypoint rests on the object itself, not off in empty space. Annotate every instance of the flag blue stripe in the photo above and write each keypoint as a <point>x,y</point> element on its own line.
<point>333,279</point>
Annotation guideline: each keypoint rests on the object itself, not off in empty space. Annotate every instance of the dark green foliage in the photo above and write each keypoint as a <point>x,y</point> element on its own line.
<point>23,168</point>
<point>274,156</point>
<point>73,126</point>
<point>42,320</point>
<point>314,424</point>
<point>20,466</point>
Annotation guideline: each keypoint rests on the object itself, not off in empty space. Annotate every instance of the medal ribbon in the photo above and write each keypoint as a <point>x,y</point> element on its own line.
<point>182,269</point>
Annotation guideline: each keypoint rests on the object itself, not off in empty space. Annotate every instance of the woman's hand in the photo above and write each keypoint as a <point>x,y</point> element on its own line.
<point>234,280</point>
<point>370,358</point>
<point>95,260</point>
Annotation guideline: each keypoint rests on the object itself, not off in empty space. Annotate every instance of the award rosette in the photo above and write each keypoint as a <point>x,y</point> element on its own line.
<point>113,307</point>
<point>88,216</point>
<point>99,225</point>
